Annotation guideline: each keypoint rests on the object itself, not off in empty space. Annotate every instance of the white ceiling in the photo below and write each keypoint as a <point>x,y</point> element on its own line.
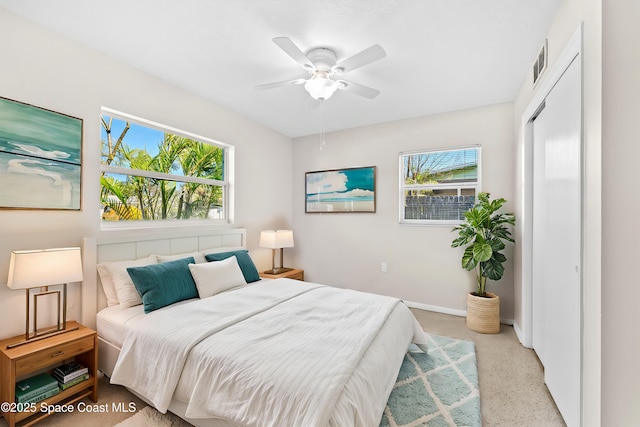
<point>442,55</point>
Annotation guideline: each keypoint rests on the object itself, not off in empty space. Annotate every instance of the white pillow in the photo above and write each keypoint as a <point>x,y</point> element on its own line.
<point>107,285</point>
<point>125,290</point>
<point>198,257</point>
<point>214,277</point>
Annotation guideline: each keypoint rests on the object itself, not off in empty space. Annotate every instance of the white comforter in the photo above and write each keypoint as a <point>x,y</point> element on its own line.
<point>274,354</point>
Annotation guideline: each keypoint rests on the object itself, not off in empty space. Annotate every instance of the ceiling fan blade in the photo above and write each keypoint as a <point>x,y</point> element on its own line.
<point>358,89</point>
<point>281,84</point>
<point>365,57</point>
<point>294,52</point>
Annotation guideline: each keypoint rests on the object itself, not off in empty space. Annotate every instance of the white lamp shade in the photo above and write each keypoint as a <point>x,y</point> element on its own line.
<point>276,239</point>
<point>32,269</point>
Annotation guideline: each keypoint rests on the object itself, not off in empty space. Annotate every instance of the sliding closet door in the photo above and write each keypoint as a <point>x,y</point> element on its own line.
<point>557,241</point>
<point>540,209</point>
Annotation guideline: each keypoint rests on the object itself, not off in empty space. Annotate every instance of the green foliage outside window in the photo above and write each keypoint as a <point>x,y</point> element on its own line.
<point>152,175</point>
<point>439,185</point>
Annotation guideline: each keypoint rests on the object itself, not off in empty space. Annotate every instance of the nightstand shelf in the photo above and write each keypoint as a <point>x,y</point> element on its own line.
<point>291,274</point>
<point>44,355</point>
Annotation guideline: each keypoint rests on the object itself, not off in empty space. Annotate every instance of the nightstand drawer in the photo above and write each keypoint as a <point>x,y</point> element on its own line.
<point>48,357</point>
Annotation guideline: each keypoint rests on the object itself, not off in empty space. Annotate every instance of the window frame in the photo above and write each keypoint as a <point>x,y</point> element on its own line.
<point>403,187</point>
<point>226,183</point>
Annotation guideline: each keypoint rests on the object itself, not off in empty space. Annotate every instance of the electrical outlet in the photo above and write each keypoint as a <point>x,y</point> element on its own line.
<point>383,267</point>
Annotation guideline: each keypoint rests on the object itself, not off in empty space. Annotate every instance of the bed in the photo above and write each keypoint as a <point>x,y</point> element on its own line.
<point>263,353</point>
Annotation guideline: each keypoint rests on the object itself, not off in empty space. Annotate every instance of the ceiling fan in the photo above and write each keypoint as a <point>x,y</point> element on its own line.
<point>324,68</point>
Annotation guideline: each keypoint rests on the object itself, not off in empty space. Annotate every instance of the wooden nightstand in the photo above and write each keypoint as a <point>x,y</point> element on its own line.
<point>292,274</point>
<point>32,358</point>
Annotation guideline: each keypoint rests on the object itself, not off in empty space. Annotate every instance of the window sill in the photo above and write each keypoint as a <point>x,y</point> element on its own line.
<point>431,223</point>
<point>163,225</point>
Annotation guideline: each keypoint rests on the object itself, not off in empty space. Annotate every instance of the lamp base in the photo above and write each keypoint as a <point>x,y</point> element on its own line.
<point>59,328</point>
<point>42,336</point>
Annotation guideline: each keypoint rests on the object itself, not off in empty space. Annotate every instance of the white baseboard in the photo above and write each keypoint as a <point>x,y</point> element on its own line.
<point>520,335</point>
<point>447,310</point>
<point>509,322</point>
<point>435,308</point>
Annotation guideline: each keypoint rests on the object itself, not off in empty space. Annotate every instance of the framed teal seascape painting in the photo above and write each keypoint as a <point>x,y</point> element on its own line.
<point>40,158</point>
<point>341,190</point>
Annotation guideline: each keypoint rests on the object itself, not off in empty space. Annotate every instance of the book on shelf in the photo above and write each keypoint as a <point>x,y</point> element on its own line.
<point>42,396</point>
<point>68,367</point>
<point>34,386</point>
<point>64,386</point>
<point>69,371</point>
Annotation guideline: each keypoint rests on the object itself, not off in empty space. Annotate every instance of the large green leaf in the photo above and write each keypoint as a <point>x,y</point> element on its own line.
<point>493,269</point>
<point>499,257</point>
<point>503,234</point>
<point>482,252</point>
<point>462,240</point>
<point>496,244</point>
<point>468,261</point>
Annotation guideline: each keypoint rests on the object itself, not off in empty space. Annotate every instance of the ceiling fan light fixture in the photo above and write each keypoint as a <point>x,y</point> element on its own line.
<point>321,87</point>
<point>321,63</point>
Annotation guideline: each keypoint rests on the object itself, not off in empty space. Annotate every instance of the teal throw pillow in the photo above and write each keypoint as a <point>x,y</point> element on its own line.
<point>163,284</point>
<point>249,270</point>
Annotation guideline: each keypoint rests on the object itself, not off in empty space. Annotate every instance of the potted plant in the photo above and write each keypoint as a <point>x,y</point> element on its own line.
<point>483,234</point>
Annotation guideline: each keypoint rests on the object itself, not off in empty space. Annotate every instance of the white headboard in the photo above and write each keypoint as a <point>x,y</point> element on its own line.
<point>97,250</point>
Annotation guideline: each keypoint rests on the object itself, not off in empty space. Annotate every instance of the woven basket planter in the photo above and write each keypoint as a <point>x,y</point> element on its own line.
<point>483,313</point>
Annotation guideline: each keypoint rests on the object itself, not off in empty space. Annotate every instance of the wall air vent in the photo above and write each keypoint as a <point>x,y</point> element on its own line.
<point>541,63</point>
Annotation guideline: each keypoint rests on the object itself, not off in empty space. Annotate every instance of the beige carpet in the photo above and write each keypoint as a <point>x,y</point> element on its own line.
<point>512,390</point>
<point>510,376</point>
<point>150,417</point>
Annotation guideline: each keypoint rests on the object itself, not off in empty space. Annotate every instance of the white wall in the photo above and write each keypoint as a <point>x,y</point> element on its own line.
<point>620,206</point>
<point>570,16</point>
<point>346,249</point>
<point>40,68</point>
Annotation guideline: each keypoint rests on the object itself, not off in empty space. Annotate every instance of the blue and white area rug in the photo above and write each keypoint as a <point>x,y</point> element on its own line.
<point>437,388</point>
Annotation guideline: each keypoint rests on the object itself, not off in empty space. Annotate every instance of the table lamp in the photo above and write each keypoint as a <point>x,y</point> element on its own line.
<point>276,239</point>
<point>40,269</point>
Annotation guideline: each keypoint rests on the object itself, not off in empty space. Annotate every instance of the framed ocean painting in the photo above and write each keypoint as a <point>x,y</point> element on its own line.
<point>341,190</point>
<point>40,158</point>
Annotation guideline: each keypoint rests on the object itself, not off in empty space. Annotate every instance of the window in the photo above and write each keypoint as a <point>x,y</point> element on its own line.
<point>438,186</point>
<point>153,173</point>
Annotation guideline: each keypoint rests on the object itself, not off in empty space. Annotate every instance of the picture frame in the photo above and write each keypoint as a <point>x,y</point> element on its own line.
<point>341,190</point>
<point>40,158</point>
